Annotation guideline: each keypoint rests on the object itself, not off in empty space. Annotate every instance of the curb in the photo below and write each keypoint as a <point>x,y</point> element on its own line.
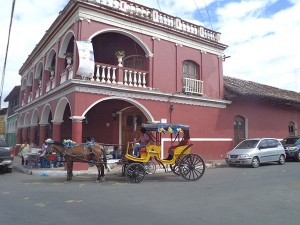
<point>61,173</point>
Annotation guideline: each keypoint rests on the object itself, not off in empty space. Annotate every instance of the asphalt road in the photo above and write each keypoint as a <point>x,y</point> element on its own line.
<point>268,195</point>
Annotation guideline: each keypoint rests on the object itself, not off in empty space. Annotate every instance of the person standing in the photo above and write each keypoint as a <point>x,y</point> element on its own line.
<point>25,150</point>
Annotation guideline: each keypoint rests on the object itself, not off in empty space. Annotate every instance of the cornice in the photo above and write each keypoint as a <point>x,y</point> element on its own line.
<point>84,86</point>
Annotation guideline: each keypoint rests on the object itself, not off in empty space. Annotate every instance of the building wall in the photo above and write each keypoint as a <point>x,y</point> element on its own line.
<point>264,119</point>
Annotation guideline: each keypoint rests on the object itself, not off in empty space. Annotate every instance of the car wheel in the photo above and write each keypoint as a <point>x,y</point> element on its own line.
<point>298,157</point>
<point>255,162</point>
<point>281,160</point>
<point>8,170</point>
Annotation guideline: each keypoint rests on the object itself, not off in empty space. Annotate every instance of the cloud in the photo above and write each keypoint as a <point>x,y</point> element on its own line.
<point>262,49</point>
<point>31,19</point>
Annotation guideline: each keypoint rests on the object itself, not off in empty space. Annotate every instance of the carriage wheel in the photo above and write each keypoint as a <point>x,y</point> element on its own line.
<point>191,167</point>
<point>150,167</point>
<point>175,167</point>
<point>135,172</point>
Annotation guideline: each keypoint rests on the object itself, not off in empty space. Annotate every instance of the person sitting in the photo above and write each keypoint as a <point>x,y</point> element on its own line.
<point>116,154</point>
<point>141,142</point>
<point>184,141</point>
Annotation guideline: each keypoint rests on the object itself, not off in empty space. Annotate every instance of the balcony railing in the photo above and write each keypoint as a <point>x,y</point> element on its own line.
<point>129,77</point>
<point>192,86</point>
<point>155,16</point>
<point>66,74</point>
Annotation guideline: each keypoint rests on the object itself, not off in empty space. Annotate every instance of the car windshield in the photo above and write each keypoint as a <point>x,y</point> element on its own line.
<point>290,141</point>
<point>3,143</point>
<point>297,142</point>
<point>247,144</point>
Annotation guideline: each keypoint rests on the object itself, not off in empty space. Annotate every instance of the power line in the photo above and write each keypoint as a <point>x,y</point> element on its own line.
<point>5,59</point>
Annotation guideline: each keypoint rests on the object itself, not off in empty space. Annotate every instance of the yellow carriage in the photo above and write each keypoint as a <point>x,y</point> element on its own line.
<point>182,162</point>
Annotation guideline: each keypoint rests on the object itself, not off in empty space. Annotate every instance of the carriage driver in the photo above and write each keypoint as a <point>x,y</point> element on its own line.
<point>141,142</point>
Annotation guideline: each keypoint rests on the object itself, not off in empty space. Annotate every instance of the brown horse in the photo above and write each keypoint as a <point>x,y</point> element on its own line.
<point>80,153</point>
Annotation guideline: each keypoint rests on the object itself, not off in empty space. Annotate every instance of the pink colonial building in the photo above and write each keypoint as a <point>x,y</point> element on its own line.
<point>171,71</point>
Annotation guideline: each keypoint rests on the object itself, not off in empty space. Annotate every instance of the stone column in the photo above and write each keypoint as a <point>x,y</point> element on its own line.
<point>43,128</point>
<point>32,134</point>
<point>77,137</point>
<point>25,134</point>
<point>19,136</point>
<point>56,132</point>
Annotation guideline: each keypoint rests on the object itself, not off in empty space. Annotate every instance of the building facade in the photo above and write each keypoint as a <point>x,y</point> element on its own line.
<point>147,66</point>
<point>12,115</point>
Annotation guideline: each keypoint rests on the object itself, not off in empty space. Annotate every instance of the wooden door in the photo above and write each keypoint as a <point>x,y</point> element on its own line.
<point>132,120</point>
<point>239,129</point>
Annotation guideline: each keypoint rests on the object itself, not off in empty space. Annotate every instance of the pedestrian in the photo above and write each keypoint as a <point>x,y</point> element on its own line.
<point>25,150</point>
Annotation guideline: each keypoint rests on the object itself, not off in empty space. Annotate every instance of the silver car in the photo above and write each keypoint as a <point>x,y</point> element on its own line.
<point>255,151</point>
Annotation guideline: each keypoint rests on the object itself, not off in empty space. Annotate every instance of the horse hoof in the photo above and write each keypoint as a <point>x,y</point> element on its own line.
<point>108,168</point>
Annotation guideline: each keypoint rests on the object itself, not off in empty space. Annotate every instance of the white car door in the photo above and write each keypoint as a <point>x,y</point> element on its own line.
<point>264,151</point>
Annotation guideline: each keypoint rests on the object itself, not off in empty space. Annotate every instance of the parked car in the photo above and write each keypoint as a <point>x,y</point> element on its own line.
<point>292,147</point>
<point>255,151</point>
<point>6,156</point>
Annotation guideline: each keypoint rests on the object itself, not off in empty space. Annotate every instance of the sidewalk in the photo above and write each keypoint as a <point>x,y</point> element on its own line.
<point>116,168</point>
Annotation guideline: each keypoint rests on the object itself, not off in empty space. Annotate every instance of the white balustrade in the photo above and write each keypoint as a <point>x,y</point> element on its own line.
<point>125,77</point>
<point>29,98</point>
<point>114,76</point>
<point>97,73</point>
<point>71,72</point>
<point>53,83</point>
<point>192,86</point>
<point>108,75</point>
<point>37,93</point>
<point>134,78</point>
<point>63,77</point>
<point>48,85</point>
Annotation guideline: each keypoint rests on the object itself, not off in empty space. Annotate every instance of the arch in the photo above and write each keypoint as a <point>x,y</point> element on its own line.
<point>23,84</point>
<point>30,79</point>
<point>49,59</point>
<point>21,121</point>
<point>45,114</point>
<point>65,42</point>
<point>60,109</point>
<point>128,34</point>
<point>133,102</point>
<point>39,70</point>
<point>26,120</point>
<point>15,127</point>
<point>35,118</point>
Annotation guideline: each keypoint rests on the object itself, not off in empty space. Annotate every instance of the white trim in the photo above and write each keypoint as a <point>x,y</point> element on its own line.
<point>149,30</point>
<point>163,140</point>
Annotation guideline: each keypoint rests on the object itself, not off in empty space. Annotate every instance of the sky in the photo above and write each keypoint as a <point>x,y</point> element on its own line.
<point>263,36</point>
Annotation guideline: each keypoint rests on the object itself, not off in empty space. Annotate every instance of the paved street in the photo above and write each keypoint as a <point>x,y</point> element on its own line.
<point>268,195</point>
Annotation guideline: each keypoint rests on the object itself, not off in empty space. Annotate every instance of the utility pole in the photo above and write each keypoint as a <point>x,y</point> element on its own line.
<point>5,59</point>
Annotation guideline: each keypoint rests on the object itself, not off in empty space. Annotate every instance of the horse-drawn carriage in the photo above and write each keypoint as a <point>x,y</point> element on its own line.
<point>180,160</point>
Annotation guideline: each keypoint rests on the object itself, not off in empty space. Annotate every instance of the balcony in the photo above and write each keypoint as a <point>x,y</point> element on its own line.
<point>192,86</point>
<point>112,74</point>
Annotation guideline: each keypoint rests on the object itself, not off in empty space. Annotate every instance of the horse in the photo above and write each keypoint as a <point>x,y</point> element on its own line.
<point>80,153</point>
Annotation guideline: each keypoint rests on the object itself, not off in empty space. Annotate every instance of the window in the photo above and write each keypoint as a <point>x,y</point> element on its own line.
<point>272,143</point>
<point>263,144</point>
<point>135,62</point>
<point>292,128</point>
<point>190,70</point>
